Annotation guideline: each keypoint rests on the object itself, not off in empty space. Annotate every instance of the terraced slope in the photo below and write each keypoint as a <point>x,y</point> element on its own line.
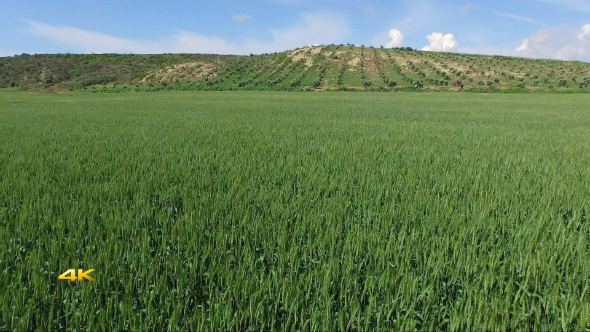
<point>333,67</point>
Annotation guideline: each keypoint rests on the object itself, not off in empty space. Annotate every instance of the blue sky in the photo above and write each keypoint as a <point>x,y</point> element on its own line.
<point>557,29</point>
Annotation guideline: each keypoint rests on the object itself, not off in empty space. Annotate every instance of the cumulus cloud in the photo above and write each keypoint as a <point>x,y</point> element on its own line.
<point>396,39</point>
<point>563,43</point>
<point>438,40</point>
<point>584,34</point>
<point>523,47</point>
<point>240,18</point>
<point>314,28</point>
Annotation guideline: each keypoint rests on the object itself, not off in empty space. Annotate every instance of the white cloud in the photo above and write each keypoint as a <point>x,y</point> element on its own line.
<point>465,9</point>
<point>584,34</point>
<point>563,43</point>
<point>88,41</point>
<point>396,39</point>
<point>240,18</point>
<point>438,41</point>
<point>314,28</point>
<point>523,47</point>
<point>369,10</point>
<point>98,42</point>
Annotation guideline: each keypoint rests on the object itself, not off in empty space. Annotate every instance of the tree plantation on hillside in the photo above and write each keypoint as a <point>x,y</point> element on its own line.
<point>333,67</point>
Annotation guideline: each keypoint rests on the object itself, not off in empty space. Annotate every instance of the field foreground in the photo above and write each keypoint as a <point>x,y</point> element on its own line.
<point>286,211</point>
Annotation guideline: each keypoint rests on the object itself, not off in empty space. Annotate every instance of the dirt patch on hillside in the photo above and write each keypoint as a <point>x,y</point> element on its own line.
<point>181,72</point>
<point>398,60</point>
<point>354,61</point>
<point>203,68</point>
<point>370,65</point>
<point>297,55</point>
<point>315,50</point>
<point>306,54</point>
<point>414,58</point>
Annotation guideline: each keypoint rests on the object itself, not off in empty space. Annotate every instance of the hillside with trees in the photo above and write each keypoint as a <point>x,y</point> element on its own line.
<point>332,67</point>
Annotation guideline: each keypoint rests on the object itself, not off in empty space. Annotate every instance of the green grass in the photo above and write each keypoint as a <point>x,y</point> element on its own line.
<point>295,211</point>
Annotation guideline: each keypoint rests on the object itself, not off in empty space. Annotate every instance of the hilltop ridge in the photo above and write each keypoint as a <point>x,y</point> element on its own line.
<point>331,67</point>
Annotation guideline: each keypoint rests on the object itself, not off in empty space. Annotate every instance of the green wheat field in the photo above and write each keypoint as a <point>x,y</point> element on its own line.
<point>262,211</point>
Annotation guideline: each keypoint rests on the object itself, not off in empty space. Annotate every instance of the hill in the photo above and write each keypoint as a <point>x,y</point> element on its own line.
<point>332,67</point>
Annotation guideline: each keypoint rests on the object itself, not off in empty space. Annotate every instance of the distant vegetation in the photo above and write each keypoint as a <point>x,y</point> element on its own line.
<point>333,67</point>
